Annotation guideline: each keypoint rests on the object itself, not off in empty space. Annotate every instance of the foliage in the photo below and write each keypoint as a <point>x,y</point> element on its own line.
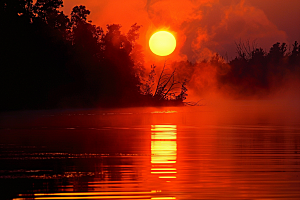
<point>149,83</point>
<point>51,60</point>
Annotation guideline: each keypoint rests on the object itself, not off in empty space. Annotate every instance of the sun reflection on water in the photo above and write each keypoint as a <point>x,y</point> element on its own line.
<point>164,151</point>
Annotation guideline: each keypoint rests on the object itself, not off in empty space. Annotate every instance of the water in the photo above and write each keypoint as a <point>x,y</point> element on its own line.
<point>235,151</point>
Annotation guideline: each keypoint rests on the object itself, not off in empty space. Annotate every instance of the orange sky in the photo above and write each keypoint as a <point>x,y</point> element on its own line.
<point>202,27</point>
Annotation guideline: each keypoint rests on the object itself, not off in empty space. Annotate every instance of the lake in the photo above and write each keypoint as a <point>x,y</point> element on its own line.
<point>235,150</point>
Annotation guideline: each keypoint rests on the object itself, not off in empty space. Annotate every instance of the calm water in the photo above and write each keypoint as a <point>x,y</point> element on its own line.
<point>235,151</point>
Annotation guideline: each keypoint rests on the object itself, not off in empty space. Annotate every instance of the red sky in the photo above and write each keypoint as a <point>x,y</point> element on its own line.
<point>202,27</point>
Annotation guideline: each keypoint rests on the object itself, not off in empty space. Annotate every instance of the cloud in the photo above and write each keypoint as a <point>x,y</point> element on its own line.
<point>171,13</point>
<point>220,26</point>
<point>243,22</point>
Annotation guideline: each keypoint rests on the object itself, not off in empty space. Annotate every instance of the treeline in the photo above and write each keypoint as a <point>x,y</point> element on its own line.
<point>258,72</point>
<point>254,72</point>
<point>51,60</point>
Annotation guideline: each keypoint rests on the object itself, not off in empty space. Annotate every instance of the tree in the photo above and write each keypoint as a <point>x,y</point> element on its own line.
<point>47,9</point>
<point>136,53</point>
<point>79,14</point>
<point>119,66</point>
<point>85,35</point>
<point>167,88</point>
<point>295,56</point>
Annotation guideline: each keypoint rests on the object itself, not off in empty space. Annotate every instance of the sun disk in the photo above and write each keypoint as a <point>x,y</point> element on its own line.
<point>162,43</point>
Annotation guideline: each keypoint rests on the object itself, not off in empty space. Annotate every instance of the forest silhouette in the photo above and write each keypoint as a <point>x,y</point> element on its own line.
<point>51,60</point>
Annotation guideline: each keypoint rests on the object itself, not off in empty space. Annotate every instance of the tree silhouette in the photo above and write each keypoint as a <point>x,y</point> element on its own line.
<point>123,84</point>
<point>259,72</point>
<point>51,60</point>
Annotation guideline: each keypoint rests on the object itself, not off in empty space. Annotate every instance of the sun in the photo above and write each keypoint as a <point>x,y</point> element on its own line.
<point>162,43</point>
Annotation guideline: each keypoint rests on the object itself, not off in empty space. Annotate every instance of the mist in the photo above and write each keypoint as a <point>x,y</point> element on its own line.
<point>273,75</point>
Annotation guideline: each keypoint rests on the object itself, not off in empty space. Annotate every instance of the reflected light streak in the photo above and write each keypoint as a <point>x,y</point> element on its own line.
<point>167,176</point>
<point>164,172</point>
<point>167,111</point>
<point>163,161</point>
<point>164,128</point>
<point>91,193</point>
<point>165,135</point>
<point>96,197</point>
<point>164,169</point>
<point>163,150</point>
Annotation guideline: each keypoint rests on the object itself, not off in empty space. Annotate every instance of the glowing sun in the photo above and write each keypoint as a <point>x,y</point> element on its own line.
<point>162,43</point>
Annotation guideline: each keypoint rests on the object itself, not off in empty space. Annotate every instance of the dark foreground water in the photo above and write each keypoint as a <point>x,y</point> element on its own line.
<point>235,151</point>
